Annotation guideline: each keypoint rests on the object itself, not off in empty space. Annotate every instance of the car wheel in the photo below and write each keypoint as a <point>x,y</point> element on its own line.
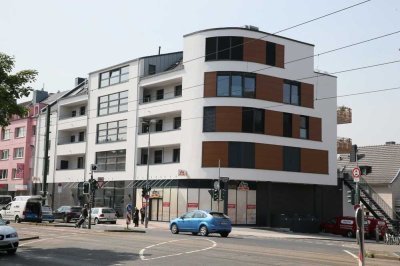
<point>11,251</point>
<point>174,229</point>
<point>96,221</point>
<point>349,234</point>
<point>224,234</point>
<point>195,233</point>
<point>17,220</point>
<point>203,230</point>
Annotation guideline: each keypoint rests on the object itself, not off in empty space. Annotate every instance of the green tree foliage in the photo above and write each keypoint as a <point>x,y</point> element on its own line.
<point>13,87</point>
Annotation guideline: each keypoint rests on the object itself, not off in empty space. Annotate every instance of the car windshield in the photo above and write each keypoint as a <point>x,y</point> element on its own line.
<point>75,209</point>
<point>108,211</point>
<point>46,209</point>
<point>218,215</point>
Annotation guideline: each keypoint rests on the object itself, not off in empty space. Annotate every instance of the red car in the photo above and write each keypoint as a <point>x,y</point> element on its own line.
<point>346,226</point>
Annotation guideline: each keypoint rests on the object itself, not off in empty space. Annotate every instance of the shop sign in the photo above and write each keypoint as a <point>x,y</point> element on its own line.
<point>243,186</point>
<point>165,204</point>
<point>231,206</point>
<point>182,172</point>
<point>192,205</point>
<point>251,206</point>
<point>155,194</point>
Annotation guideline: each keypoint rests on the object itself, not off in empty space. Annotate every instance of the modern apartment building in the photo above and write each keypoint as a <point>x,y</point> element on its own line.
<point>236,103</point>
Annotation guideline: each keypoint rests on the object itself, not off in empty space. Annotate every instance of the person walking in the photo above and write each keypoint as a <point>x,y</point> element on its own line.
<point>142,215</point>
<point>84,215</point>
<point>136,217</point>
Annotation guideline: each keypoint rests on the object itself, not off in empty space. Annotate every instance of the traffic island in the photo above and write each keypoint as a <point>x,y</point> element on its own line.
<point>125,231</point>
<point>381,255</point>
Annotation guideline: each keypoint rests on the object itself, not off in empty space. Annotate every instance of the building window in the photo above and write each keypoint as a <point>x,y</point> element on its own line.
<point>224,48</point>
<point>4,154</point>
<point>152,69</point>
<point>112,131</point>
<point>73,113</point>
<point>159,125</point>
<point>3,173</point>
<point>14,173</point>
<point>113,103</point>
<point>147,98</point>
<point>19,132</point>
<point>82,110</point>
<point>291,159</point>
<point>304,127</point>
<point>287,125</point>
<point>33,130</point>
<point>209,119</point>
<point>253,120</point>
<point>291,92</point>
<point>176,155</point>
<point>241,154</point>
<point>158,156</point>
<point>19,153</point>
<point>236,84</point>
<point>177,122</point>
<point>80,163</point>
<point>72,138</point>
<point>160,94</point>
<point>143,156</point>
<point>271,54</point>
<point>5,134</point>
<point>63,164</point>
<point>114,76</point>
<point>82,136</point>
<point>111,160</point>
<point>178,90</point>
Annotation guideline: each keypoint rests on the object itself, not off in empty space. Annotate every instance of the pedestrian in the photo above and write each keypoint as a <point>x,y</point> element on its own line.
<point>136,217</point>
<point>142,214</point>
<point>128,219</point>
<point>84,215</point>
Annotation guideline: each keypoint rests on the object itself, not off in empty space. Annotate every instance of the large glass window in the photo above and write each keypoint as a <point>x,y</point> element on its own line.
<point>19,153</point>
<point>176,155</point>
<point>158,156</point>
<point>241,154</point>
<point>111,160</point>
<point>114,76</point>
<point>3,173</point>
<point>209,119</point>
<point>291,92</point>
<point>236,84</point>
<point>224,48</point>
<point>5,134</point>
<point>19,132</point>
<point>271,54</point>
<point>113,103</point>
<point>291,159</point>
<point>304,127</point>
<point>253,120</point>
<point>4,154</point>
<point>112,131</point>
<point>287,125</point>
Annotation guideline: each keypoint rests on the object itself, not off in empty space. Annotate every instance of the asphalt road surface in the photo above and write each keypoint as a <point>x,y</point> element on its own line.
<point>70,246</point>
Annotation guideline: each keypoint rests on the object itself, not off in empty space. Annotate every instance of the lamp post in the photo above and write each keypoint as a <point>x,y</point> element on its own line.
<point>146,220</point>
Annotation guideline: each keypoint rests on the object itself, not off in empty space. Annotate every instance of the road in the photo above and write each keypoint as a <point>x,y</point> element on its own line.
<point>71,246</point>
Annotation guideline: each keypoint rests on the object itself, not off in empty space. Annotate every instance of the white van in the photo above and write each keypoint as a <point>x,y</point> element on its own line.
<point>20,211</point>
<point>4,200</point>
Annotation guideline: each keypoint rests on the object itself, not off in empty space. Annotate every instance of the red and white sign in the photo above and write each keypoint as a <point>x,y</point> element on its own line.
<point>182,172</point>
<point>231,206</point>
<point>100,182</point>
<point>165,204</point>
<point>20,170</point>
<point>243,186</point>
<point>251,206</point>
<point>356,172</point>
<point>192,205</point>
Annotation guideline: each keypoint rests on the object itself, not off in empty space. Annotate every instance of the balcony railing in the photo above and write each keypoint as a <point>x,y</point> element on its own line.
<point>344,115</point>
<point>343,145</point>
<point>152,99</point>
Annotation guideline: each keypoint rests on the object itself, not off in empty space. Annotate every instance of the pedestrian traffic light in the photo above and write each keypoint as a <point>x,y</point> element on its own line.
<point>223,194</point>
<point>216,194</point>
<point>351,197</point>
<point>86,188</point>
<point>365,169</point>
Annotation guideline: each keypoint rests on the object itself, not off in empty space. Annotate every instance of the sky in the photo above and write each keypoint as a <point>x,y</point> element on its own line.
<point>65,39</point>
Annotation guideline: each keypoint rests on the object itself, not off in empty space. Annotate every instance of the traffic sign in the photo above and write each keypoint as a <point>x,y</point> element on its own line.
<point>356,173</point>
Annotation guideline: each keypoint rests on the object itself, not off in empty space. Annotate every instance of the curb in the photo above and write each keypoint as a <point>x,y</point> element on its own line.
<point>124,231</point>
<point>29,238</point>
<point>372,254</point>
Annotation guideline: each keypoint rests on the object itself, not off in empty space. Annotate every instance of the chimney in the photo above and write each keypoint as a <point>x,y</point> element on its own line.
<point>39,96</point>
<point>78,81</point>
<point>390,142</point>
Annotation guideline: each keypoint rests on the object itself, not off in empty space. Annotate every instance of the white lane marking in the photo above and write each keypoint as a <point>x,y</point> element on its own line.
<point>348,252</point>
<point>396,254</point>
<point>43,239</point>
<point>142,257</point>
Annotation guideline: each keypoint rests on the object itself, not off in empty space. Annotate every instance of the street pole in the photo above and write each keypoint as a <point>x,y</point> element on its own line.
<point>146,222</point>
<point>219,180</point>
<point>91,198</point>
<point>46,156</point>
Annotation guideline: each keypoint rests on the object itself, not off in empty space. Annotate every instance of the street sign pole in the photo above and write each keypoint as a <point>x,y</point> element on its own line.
<point>360,234</point>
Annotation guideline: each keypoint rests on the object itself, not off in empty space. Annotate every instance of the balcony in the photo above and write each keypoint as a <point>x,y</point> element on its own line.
<point>158,170</point>
<point>160,138</point>
<point>343,145</point>
<point>344,115</point>
<point>77,122</point>
<point>71,148</point>
<point>72,175</point>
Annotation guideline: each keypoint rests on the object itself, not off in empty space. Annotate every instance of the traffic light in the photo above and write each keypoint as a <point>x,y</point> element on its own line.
<point>223,191</point>
<point>93,184</point>
<point>365,169</point>
<point>144,192</point>
<point>351,196</point>
<point>353,153</point>
<point>86,188</point>
<point>215,194</point>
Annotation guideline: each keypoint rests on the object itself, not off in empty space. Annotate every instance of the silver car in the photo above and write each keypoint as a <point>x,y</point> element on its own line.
<point>104,215</point>
<point>8,237</point>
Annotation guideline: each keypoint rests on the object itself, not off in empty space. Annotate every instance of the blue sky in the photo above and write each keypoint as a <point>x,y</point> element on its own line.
<point>65,39</point>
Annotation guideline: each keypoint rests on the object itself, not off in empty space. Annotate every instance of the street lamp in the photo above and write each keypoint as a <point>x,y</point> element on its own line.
<point>148,123</point>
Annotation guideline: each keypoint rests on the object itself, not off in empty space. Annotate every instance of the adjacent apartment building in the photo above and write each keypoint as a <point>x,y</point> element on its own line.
<point>236,103</point>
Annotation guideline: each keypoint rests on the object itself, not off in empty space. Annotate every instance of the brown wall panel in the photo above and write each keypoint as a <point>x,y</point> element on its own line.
<point>314,161</point>
<point>307,95</point>
<point>254,50</point>
<point>269,157</point>
<point>273,123</point>
<point>269,88</point>
<point>295,126</point>
<point>280,55</point>
<point>210,84</point>
<point>315,128</point>
<point>214,151</point>
<point>228,119</point>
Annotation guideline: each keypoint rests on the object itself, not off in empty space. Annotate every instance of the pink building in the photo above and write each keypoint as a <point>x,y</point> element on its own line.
<point>17,152</point>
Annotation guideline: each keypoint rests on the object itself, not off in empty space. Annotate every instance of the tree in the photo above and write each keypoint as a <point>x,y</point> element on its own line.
<point>13,87</point>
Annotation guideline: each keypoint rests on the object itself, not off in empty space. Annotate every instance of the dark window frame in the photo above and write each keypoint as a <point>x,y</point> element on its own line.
<point>244,76</point>
<point>305,126</point>
<point>233,50</point>
<point>122,76</point>
<point>291,159</point>
<point>160,94</point>
<point>270,54</point>
<point>121,130</point>
<point>176,155</point>
<point>110,161</point>
<point>241,155</point>
<point>178,91</point>
<point>177,122</point>
<point>287,125</point>
<point>249,123</point>
<point>209,119</point>
<point>159,125</point>
<point>120,99</point>
<point>292,84</point>
<point>158,156</point>
<point>152,69</point>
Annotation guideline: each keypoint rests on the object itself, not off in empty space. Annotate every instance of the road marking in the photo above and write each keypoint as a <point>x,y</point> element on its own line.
<point>348,252</point>
<point>142,257</point>
<point>43,239</point>
<point>396,254</point>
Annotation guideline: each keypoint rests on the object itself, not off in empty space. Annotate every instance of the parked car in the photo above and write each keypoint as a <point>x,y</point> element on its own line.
<point>202,222</point>
<point>47,214</point>
<point>346,226</point>
<point>29,210</point>
<point>104,215</point>
<point>68,213</point>
<point>8,237</point>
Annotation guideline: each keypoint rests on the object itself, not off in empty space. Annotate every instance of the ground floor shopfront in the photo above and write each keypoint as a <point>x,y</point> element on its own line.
<point>249,202</point>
